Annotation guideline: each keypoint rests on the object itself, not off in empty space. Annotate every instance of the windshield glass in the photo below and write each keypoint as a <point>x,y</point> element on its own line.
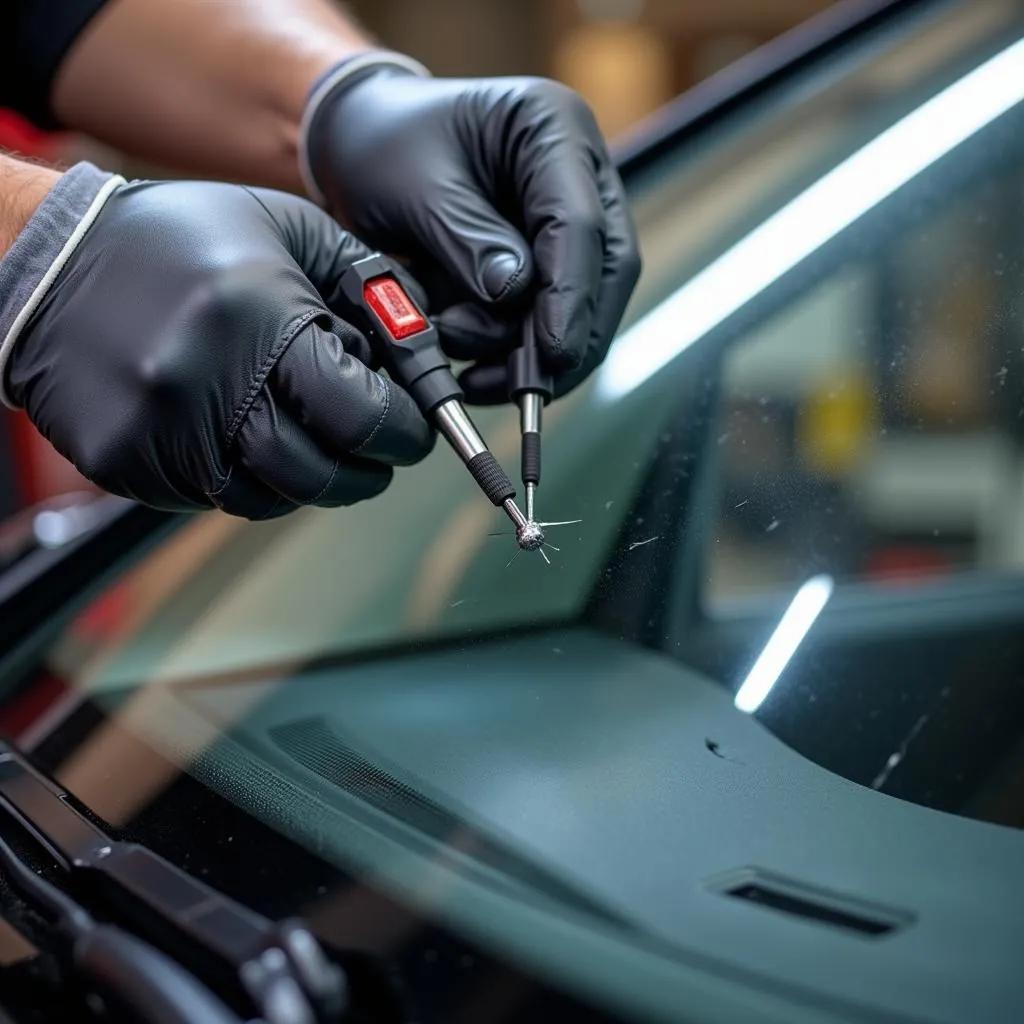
<point>799,475</point>
<point>421,562</point>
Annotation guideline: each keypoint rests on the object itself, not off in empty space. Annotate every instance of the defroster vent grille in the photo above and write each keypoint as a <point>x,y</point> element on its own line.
<point>312,743</point>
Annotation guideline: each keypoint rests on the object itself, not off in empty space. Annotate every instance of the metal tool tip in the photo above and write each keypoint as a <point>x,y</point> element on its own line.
<point>514,513</point>
<point>529,536</point>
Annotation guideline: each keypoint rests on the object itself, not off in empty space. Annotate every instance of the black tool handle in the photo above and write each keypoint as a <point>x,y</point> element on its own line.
<point>525,372</point>
<point>527,376</point>
<point>530,457</point>
<point>491,478</point>
<point>403,339</point>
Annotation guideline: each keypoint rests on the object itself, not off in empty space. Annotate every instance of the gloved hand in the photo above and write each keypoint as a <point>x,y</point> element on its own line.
<point>505,184</point>
<point>186,356</point>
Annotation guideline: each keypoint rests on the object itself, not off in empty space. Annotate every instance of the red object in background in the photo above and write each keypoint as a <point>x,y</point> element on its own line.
<point>28,706</point>
<point>23,438</point>
<point>40,472</point>
<point>20,136</point>
<point>907,565</point>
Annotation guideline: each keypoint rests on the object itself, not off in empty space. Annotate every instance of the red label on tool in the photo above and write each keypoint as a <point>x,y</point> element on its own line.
<point>397,312</point>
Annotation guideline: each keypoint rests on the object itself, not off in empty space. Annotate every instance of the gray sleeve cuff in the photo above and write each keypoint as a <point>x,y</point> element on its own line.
<point>43,248</point>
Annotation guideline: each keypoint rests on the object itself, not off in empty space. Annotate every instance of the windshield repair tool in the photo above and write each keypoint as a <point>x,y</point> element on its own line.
<point>531,389</point>
<point>406,343</point>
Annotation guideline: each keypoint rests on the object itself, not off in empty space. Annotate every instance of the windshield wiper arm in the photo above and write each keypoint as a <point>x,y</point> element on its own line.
<point>278,969</point>
<point>114,962</point>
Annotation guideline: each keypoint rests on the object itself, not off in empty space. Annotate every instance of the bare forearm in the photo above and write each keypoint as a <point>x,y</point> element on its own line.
<point>23,187</point>
<point>209,87</point>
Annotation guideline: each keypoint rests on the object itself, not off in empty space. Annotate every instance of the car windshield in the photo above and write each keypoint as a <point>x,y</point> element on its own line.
<point>799,476</point>
<point>903,333</point>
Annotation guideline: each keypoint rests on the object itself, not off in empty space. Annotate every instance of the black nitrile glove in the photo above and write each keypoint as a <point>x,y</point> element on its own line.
<point>186,356</point>
<point>500,193</point>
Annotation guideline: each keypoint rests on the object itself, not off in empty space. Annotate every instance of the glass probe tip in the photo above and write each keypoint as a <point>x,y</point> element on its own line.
<point>529,536</point>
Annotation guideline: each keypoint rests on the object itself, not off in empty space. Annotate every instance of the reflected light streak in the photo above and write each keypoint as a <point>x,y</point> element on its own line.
<point>805,223</point>
<point>805,607</point>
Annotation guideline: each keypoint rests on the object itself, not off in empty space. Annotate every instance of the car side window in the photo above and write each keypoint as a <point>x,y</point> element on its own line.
<point>873,428</point>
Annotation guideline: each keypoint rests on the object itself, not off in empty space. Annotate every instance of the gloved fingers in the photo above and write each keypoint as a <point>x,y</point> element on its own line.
<point>346,407</point>
<point>485,383</point>
<point>573,271</point>
<point>321,247</point>
<point>618,278</point>
<point>277,451</point>
<point>566,221</point>
<point>571,380</point>
<point>352,341</point>
<point>242,494</point>
<point>478,247</point>
<point>470,331</point>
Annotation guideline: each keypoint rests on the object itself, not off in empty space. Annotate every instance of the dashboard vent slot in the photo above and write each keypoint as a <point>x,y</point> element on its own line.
<point>822,907</point>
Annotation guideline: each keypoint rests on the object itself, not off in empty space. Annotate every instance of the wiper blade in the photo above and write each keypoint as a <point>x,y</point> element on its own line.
<point>116,964</point>
<point>277,969</point>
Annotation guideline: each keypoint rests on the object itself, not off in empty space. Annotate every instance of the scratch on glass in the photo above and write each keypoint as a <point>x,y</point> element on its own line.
<point>898,754</point>
<point>642,543</point>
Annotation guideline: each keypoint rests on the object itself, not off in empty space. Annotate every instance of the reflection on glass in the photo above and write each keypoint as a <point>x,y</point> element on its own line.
<point>816,215</point>
<point>805,607</point>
